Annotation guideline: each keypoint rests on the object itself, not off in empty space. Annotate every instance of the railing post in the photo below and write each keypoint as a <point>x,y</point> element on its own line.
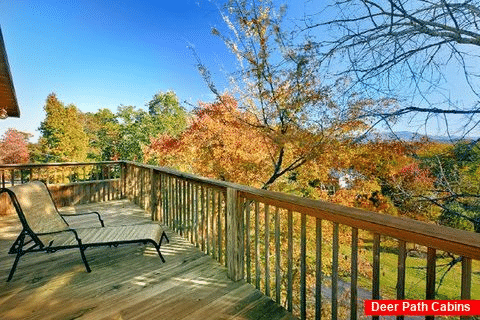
<point>123,180</point>
<point>235,234</point>
<point>153,195</point>
<point>160,198</point>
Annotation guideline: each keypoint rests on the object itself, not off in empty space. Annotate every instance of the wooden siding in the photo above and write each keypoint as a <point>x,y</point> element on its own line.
<point>8,98</point>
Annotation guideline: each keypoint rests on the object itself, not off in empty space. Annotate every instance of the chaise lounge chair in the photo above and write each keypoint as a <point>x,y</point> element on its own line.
<point>45,229</point>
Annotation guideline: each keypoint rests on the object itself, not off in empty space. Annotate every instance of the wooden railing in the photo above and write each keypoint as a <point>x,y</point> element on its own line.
<point>313,257</point>
<point>195,207</point>
<point>70,183</point>
<point>291,247</point>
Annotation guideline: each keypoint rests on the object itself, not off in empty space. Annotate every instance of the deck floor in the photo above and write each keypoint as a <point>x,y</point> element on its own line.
<point>127,282</point>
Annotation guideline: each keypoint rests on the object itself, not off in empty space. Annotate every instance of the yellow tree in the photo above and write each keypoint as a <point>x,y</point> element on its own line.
<point>63,137</point>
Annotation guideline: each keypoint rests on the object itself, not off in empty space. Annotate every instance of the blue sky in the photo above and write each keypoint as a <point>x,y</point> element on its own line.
<point>101,54</point>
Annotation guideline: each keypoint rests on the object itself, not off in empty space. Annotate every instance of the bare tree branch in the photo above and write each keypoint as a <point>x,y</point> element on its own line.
<point>390,45</point>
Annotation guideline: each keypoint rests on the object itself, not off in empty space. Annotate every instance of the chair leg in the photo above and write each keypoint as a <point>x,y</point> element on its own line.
<point>14,246</point>
<point>164,235</point>
<point>14,267</point>
<point>19,242</point>
<point>85,262</point>
<point>159,253</point>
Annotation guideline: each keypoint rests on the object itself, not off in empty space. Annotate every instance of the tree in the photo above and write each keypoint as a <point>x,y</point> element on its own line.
<point>63,138</point>
<point>376,178</point>
<point>102,129</point>
<point>409,189</point>
<point>14,147</point>
<point>168,115</point>
<point>91,127</point>
<point>407,49</point>
<point>135,131</point>
<point>165,116</point>
<point>109,134</point>
<point>402,49</point>
<point>218,144</point>
<point>280,89</point>
<point>457,185</point>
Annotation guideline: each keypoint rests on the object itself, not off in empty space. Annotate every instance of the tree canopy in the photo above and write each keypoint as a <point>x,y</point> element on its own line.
<point>167,113</point>
<point>219,143</point>
<point>67,134</point>
<point>165,116</point>
<point>280,89</point>
<point>14,147</point>
<point>63,136</point>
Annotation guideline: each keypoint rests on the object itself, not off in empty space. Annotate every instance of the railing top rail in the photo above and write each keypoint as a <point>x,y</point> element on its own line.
<point>428,234</point>
<point>422,233</point>
<point>55,164</point>
<point>187,176</point>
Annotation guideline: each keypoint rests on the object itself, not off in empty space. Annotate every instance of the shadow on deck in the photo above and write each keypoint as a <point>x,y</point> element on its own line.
<point>128,282</point>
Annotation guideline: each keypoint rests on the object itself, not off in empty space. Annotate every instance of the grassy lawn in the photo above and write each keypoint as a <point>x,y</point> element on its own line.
<point>448,281</point>
<point>448,284</point>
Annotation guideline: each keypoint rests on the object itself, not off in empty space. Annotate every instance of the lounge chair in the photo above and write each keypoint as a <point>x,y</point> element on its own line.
<point>45,229</point>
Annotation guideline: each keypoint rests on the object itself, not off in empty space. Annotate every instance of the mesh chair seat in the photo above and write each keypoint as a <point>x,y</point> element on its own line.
<point>49,231</point>
<point>106,235</point>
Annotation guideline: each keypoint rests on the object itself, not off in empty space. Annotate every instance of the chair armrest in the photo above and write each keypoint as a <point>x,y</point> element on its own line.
<point>75,234</point>
<point>82,214</point>
<point>56,232</point>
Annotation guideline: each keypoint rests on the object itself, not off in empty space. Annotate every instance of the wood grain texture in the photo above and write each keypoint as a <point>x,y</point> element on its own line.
<point>235,234</point>
<point>200,209</point>
<point>128,282</point>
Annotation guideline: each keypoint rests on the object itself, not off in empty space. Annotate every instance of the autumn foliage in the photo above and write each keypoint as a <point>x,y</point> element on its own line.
<point>284,145</point>
<point>219,143</point>
<point>14,147</point>
<point>63,136</point>
<point>223,142</point>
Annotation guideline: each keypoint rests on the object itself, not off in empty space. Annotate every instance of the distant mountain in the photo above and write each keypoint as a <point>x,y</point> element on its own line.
<point>402,135</point>
<point>413,136</point>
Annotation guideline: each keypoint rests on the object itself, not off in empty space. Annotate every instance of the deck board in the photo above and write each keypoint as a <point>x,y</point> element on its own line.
<point>127,282</point>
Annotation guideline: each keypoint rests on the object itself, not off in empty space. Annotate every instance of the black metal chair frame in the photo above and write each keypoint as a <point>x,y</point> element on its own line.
<point>22,245</point>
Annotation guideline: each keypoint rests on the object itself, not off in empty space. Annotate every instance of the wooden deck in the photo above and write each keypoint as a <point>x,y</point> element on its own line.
<point>128,282</point>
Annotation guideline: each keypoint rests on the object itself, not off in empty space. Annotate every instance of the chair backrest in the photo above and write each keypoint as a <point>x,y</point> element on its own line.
<point>37,207</point>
